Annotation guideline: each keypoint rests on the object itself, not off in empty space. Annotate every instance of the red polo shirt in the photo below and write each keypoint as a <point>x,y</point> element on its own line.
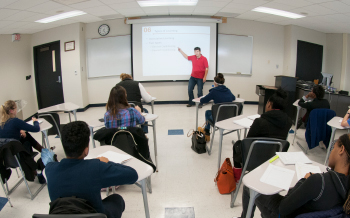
<point>198,66</point>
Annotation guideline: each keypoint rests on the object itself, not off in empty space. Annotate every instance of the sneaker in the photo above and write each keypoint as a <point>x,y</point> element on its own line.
<point>41,178</point>
<point>200,106</point>
<point>237,172</point>
<point>189,105</point>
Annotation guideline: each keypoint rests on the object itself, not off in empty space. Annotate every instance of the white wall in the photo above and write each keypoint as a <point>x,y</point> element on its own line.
<point>334,57</point>
<point>16,64</point>
<point>292,35</point>
<point>268,52</point>
<point>73,84</point>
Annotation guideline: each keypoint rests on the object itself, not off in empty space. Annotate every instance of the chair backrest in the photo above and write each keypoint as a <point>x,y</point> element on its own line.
<point>9,158</point>
<point>256,151</point>
<point>223,111</point>
<point>90,215</point>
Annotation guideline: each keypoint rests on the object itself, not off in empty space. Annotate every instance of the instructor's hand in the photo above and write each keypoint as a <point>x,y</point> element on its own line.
<point>179,49</point>
<point>204,80</point>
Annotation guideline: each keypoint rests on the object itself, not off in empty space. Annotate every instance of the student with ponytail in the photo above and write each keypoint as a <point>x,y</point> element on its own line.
<point>14,128</point>
<point>314,192</point>
<point>219,94</point>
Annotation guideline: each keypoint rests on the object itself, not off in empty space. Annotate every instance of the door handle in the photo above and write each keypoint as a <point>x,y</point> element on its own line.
<point>59,79</point>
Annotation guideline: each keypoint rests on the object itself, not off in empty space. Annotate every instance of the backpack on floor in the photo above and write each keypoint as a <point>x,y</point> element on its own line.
<point>198,142</point>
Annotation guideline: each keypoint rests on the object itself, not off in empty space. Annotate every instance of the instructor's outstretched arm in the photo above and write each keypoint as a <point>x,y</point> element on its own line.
<point>183,53</point>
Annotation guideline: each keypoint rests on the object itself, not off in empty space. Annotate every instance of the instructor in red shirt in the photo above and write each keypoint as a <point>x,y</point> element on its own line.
<point>198,75</point>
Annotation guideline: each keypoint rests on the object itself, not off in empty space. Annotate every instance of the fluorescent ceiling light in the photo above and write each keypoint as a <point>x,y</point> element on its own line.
<point>152,3</point>
<point>61,16</point>
<point>278,12</point>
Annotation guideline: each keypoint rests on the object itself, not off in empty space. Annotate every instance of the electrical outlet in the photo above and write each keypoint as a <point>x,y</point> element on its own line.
<point>238,95</point>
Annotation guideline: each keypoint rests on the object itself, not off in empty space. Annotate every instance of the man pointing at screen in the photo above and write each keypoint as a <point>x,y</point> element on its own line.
<point>198,75</point>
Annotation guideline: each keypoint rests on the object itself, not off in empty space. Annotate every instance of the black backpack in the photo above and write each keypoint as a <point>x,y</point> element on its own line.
<point>71,205</point>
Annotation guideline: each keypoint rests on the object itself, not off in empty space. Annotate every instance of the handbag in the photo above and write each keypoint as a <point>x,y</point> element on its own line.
<point>201,129</point>
<point>198,142</point>
<point>224,178</point>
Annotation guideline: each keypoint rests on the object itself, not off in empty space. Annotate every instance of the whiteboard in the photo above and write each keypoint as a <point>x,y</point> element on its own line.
<point>235,54</point>
<point>108,56</point>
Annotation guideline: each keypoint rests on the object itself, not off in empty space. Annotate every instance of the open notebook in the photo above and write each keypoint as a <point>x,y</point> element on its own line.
<point>116,157</point>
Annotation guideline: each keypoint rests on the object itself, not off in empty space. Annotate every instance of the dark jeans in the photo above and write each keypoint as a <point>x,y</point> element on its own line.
<point>145,127</point>
<point>114,206</point>
<point>208,116</point>
<point>28,143</point>
<point>267,204</point>
<point>191,84</point>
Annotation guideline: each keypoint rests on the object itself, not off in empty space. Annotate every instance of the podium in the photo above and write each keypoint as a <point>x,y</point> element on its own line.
<point>288,84</point>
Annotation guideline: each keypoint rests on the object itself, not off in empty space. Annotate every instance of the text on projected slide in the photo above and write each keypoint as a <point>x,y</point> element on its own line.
<point>160,55</point>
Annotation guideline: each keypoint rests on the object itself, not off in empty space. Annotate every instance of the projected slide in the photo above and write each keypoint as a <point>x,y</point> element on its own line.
<point>160,55</point>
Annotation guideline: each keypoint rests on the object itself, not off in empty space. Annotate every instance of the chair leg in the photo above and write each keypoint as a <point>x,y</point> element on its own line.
<point>211,142</point>
<point>17,173</point>
<point>235,193</point>
<point>149,184</point>
<point>32,196</point>
<point>3,187</point>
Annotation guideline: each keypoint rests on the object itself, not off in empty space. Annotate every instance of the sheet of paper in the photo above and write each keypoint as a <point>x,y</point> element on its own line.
<point>31,122</point>
<point>245,122</point>
<point>278,176</point>
<point>293,157</point>
<point>116,157</point>
<point>144,114</point>
<point>253,117</point>
<point>340,120</point>
<point>302,169</point>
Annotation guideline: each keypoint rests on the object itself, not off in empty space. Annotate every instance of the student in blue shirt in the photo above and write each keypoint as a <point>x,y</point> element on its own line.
<point>346,121</point>
<point>74,176</point>
<point>219,94</point>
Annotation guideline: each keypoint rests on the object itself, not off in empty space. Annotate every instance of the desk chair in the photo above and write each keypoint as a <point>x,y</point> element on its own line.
<point>223,111</point>
<point>12,161</point>
<point>53,119</point>
<point>90,215</point>
<point>256,151</point>
<point>317,129</point>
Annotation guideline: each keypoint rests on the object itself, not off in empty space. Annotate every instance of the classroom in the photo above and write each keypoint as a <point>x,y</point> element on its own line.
<point>184,180</point>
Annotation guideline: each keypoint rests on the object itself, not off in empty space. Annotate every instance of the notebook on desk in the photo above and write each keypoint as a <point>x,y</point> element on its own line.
<point>116,157</point>
<point>32,123</point>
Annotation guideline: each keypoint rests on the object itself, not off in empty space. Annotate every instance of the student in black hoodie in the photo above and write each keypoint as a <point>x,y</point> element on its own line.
<point>314,192</point>
<point>274,123</point>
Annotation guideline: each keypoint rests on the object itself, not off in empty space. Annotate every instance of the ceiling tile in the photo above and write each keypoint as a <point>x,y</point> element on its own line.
<point>4,3</point>
<point>87,4</point>
<point>255,3</point>
<point>155,10</point>
<point>17,24</point>
<point>4,13</point>
<point>87,18</point>
<point>342,18</point>
<point>278,6</point>
<point>36,17</point>
<point>126,5</point>
<point>234,10</point>
<point>100,11</point>
<point>346,1</point>
<point>314,10</point>
<point>337,6</point>
<point>4,23</point>
<point>211,4</point>
<point>295,3</point>
<point>181,8</point>
<point>132,12</point>
<point>47,7</point>
<point>207,9</point>
<point>109,2</point>
<point>251,15</point>
<point>25,4</point>
<point>272,19</point>
<point>21,16</point>
<point>320,1</point>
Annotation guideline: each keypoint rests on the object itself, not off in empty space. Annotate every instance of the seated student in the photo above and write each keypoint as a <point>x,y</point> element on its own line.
<point>119,113</point>
<point>74,176</point>
<point>14,128</point>
<point>274,123</point>
<point>314,192</point>
<point>316,95</point>
<point>220,93</point>
<point>135,91</point>
<point>346,121</point>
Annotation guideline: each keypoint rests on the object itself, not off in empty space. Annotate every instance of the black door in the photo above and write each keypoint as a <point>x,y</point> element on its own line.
<point>48,77</point>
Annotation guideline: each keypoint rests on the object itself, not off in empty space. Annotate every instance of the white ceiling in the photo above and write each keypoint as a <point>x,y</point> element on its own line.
<point>18,16</point>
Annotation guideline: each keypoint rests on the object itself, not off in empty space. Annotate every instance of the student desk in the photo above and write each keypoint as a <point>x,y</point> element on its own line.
<point>335,124</point>
<point>230,126</point>
<point>44,127</point>
<point>256,187</point>
<point>152,103</point>
<point>149,118</point>
<point>64,107</point>
<point>143,170</point>
<point>197,101</point>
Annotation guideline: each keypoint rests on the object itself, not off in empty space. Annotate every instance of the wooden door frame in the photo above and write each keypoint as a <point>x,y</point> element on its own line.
<point>38,96</point>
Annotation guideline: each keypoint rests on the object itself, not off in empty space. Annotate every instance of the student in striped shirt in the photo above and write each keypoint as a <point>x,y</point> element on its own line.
<point>119,112</point>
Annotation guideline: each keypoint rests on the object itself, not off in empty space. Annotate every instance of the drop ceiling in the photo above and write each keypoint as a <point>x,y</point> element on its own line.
<point>19,16</point>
